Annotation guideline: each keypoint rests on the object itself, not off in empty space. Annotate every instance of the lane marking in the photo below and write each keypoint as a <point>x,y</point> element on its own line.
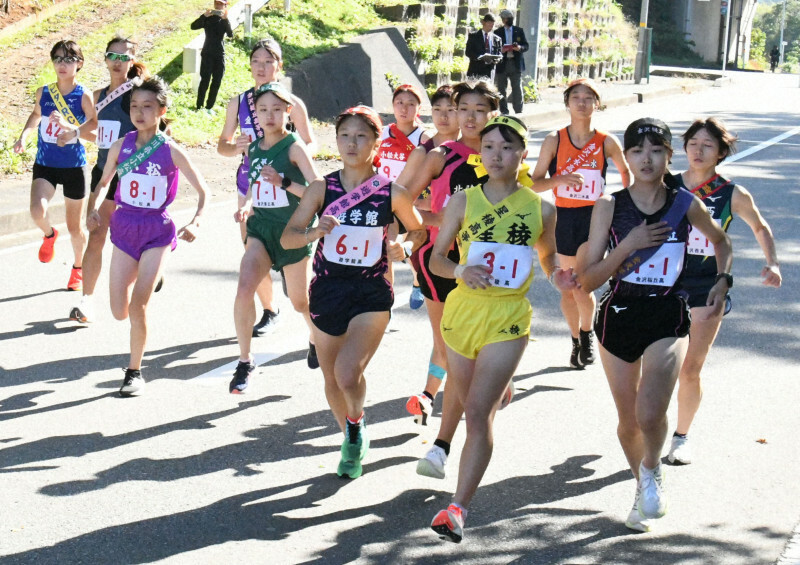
<point>225,372</point>
<point>760,146</point>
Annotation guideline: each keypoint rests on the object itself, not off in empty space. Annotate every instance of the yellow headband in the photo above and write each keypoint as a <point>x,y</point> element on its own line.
<point>510,122</point>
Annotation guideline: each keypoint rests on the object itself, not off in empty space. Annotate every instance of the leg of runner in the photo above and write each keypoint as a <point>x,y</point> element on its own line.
<point>263,291</point>
<point>297,287</point>
<point>701,337</point>
<point>435,461</point>
<point>578,308</point>
<point>73,209</point>
<point>41,194</point>
<point>421,405</point>
<point>149,269</point>
<point>93,256</point>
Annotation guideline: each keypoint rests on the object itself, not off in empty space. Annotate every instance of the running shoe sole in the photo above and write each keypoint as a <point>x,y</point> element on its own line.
<point>414,407</point>
<point>446,529</point>
<point>428,469</point>
<point>77,316</point>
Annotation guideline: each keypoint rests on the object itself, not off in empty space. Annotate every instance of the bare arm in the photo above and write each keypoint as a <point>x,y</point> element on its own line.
<point>403,208</point>
<point>614,151</point>
<point>745,207</point>
<point>563,279</point>
<point>92,216</point>
<point>299,117</point>
<point>194,178</point>
<point>297,234</point>
<point>227,145</point>
<point>31,124</point>
<point>419,179</point>
<point>414,162</point>
<point>546,154</point>
<point>299,156</point>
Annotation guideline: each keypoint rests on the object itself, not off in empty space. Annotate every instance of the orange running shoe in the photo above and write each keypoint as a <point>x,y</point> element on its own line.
<point>75,279</point>
<point>46,251</point>
<point>449,524</point>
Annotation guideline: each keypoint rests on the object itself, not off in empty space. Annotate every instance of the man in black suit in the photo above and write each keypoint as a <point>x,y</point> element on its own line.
<point>511,67</point>
<point>481,42</point>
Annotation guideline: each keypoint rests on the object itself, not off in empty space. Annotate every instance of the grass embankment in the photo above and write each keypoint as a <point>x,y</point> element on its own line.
<point>311,27</point>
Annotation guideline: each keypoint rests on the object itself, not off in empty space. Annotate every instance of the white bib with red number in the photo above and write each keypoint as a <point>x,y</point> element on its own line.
<point>249,132</point>
<point>509,265</point>
<point>698,243</point>
<point>50,132</point>
<point>267,195</point>
<point>107,133</point>
<point>591,190</point>
<point>662,269</point>
<point>354,245</point>
<point>143,191</point>
<point>391,168</point>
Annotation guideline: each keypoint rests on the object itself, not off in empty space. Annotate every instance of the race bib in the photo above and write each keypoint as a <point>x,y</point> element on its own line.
<point>509,265</point>
<point>354,245</point>
<point>143,191</point>
<point>107,133</point>
<point>698,243</point>
<point>249,132</point>
<point>391,168</point>
<point>50,132</point>
<point>591,190</point>
<point>662,269</point>
<point>267,195</point>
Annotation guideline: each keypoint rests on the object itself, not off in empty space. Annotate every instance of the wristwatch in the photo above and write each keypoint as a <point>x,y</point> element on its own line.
<point>286,182</point>
<point>728,279</point>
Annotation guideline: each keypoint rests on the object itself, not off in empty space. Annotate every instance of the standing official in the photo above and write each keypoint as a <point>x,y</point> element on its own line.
<point>510,68</point>
<point>212,63</point>
<point>480,43</point>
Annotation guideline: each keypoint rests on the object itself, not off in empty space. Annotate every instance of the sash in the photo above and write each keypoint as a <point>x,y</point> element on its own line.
<point>61,104</point>
<point>523,177</point>
<point>272,152</point>
<point>355,196</point>
<point>673,217</point>
<point>251,109</point>
<point>709,187</point>
<point>119,91</point>
<point>489,220</point>
<point>141,155</point>
<point>401,137</point>
<point>583,156</point>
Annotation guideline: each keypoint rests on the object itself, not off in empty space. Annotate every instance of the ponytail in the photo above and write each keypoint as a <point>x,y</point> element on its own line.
<point>139,70</point>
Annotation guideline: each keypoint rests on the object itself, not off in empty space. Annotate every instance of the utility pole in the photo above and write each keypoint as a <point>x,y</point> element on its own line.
<point>641,53</point>
<point>783,25</point>
<point>725,42</point>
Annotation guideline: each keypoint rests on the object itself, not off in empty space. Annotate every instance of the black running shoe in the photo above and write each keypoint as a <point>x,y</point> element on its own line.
<point>575,358</point>
<point>311,358</point>
<point>241,377</point>
<point>267,323</point>
<point>587,347</point>
<point>159,284</point>
<point>132,384</point>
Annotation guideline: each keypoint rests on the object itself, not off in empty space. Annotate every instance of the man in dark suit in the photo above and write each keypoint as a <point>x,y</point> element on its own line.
<point>482,42</point>
<point>510,69</point>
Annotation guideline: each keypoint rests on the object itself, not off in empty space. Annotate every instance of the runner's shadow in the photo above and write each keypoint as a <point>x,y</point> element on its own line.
<point>33,295</point>
<point>45,327</point>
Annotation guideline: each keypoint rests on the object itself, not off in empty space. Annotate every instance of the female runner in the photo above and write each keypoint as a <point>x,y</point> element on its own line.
<point>142,231</point>
<point>575,158</point>
<point>497,225</point>
<point>349,297</point>
<point>707,143</point>
<point>266,63</point>
<point>637,241</point>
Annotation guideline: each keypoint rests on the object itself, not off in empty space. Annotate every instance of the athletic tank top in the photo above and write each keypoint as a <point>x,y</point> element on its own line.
<point>457,175</point>
<point>273,203</point>
<point>661,273</point>
<point>501,236</point>
<point>113,121</point>
<point>592,166</point>
<point>357,248</point>
<point>717,195</point>
<point>152,185</point>
<point>49,153</point>
<point>394,150</point>
<point>245,121</point>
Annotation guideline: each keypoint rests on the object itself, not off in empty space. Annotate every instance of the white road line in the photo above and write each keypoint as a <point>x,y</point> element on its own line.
<point>760,146</point>
<point>225,372</point>
<point>791,553</point>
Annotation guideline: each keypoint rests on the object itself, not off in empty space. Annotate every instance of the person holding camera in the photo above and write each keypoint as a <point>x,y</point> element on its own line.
<point>216,25</point>
<point>510,68</point>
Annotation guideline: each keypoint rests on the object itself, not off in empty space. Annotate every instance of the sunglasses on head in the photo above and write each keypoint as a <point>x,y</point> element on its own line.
<point>68,59</point>
<point>119,57</point>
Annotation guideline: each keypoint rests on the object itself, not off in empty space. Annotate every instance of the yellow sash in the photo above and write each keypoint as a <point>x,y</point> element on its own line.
<point>61,104</point>
<point>523,177</point>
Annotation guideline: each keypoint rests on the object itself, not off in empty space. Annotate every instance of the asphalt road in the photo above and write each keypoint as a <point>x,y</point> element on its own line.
<point>190,474</point>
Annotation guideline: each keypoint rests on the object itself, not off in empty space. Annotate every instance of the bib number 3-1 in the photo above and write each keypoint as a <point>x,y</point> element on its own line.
<point>354,245</point>
<point>509,265</point>
<point>143,191</point>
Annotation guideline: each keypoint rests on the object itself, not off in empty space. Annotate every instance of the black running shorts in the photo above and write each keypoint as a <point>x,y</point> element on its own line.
<point>572,229</point>
<point>72,179</point>
<point>334,301</point>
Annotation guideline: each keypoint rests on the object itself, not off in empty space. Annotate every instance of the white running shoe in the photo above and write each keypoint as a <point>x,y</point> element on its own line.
<point>433,464</point>
<point>652,498</point>
<point>132,384</point>
<point>635,520</point>
<point>84,311</point>
<point>680,451</point>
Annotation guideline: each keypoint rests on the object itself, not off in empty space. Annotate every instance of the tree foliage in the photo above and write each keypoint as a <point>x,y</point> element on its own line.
<point>769,22</point>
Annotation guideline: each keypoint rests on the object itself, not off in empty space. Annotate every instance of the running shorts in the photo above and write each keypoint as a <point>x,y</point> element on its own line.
<point>470,322</point>
<point>572,229</point>
<point>625,326</point>
<point>135,232</point>
<point>269,234</point>
<point>334,301</point>
<point>72,179</point>
<point>434,287</point>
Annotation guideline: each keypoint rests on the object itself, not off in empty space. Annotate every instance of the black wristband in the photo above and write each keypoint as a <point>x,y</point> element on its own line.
<point>286,182</point>
<point>728,279</point>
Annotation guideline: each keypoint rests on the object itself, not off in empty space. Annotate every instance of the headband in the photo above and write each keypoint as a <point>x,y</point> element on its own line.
<point>518,127</point>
